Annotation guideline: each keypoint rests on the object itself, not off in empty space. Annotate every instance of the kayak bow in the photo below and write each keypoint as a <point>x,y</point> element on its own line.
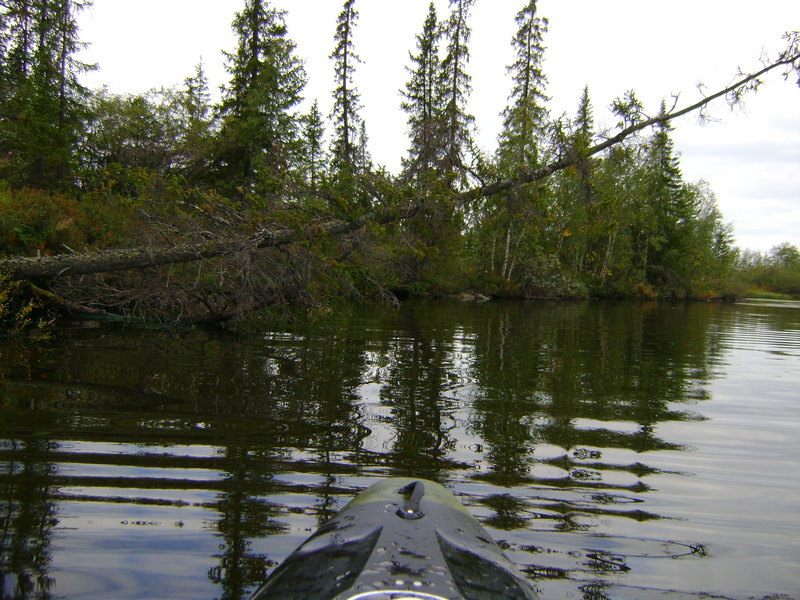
<point>401,539</point>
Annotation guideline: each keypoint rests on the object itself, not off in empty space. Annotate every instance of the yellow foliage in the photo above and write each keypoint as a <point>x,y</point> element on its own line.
<point>16,313</point>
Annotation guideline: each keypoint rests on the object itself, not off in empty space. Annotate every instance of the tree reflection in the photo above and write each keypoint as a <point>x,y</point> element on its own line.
<point>289,414</point>
<point>27,518</point>
<point>414,388</point>
<point>555,374</point>
<point>245,514</point>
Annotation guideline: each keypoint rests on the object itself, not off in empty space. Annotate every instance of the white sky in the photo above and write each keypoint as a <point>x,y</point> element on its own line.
<point>751,158</point>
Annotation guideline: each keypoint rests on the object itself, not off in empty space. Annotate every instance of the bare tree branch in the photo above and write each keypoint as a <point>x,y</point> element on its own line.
<point>742,83</point>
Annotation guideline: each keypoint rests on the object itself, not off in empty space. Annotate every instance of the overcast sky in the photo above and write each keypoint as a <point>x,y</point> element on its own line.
<point>751,158</point>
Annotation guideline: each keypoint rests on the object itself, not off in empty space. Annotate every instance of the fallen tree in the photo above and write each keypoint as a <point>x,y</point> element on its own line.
<point>102,261</point>
<point>385,212</point>
<point>109,261</point>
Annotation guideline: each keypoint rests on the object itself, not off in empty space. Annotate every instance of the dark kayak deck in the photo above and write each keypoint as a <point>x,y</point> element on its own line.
<point>401,539</point>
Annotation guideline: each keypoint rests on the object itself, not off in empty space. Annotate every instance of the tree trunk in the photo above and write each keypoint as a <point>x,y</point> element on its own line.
<point>107,261</point>
<point>507,252</point>
<point>610,248</point>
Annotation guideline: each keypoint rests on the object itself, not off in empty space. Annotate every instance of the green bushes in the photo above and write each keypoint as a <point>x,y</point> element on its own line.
<point>777,271</point>
<point>40,222</point>
<point>16,310</point>
<point>34,221</point>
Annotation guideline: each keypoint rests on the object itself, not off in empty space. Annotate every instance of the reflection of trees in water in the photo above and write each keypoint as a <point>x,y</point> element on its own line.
<point>27,517</point>
<point>253,400</point>
<point>326,505</point>
<point>555,373</point>
<point>244,515</point>
<point>503,404</point>
<point>287,391</point>
<point>318,389</point>
<point>29,488</point>
<point>414,386</point>
<point>558,374</point>
<point>510,512</point>
<point>536,368</point>
<point>328,373</point>
<point>295,393</point>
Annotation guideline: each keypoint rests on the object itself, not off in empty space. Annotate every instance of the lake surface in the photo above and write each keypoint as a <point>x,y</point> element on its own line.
<point>615,449</point>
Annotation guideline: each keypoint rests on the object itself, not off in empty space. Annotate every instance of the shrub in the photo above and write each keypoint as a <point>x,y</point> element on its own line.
<point>37,221</point>
<point>16,310</point>
<point>543,276</point>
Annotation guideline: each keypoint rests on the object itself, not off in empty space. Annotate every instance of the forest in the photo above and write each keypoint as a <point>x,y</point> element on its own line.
<point>168,206</point>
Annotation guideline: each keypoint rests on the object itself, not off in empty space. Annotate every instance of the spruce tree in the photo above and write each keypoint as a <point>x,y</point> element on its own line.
<point>363,157</point>
<point>455,90</point>
<point>346,99</point>
<point>43,104</point>
<point>195,126</point>
<point>313,153</point>
<point>345,161</point>
<point>581,141</point>
<point>513,218</point>
<point>259,125</point>
<point>18,39</point>
<point>575,215</point>
<point>435,99</point>
<point>5,35</point>
<point>423,103</point>
<point>524,123</point>
<point>664,168</point>
<point>671,205</point>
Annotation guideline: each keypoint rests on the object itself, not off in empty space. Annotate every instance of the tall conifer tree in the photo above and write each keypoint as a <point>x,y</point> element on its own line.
<point>346,99</point>
<point>582,140</point>
<point>573,209</point>
<point>524,123</point>
<point>43,105</point>
<point>4,35</point>
<point>195,125</point>
<point>663,166</point>
<point>348,149</point>
<point>670,204</point>
<point>456,87</point>
<point>514,214</point>
<point>260,126</point>
<point>423,102</point>
<point>313,132</point>
<point>363,157</point>
<point>18,38</point>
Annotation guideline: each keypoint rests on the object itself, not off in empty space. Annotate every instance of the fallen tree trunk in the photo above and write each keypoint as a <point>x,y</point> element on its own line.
<point>51,301</point>
<point>105,261</point>
<point>108,261</point>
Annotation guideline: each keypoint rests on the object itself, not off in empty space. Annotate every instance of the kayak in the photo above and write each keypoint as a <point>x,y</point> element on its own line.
<point>401,539</point>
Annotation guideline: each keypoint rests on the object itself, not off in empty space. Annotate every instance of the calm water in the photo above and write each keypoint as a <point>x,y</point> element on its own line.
<point>616,450</point>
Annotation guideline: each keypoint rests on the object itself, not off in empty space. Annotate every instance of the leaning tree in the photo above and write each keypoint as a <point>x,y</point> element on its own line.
<point>393,203</point>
